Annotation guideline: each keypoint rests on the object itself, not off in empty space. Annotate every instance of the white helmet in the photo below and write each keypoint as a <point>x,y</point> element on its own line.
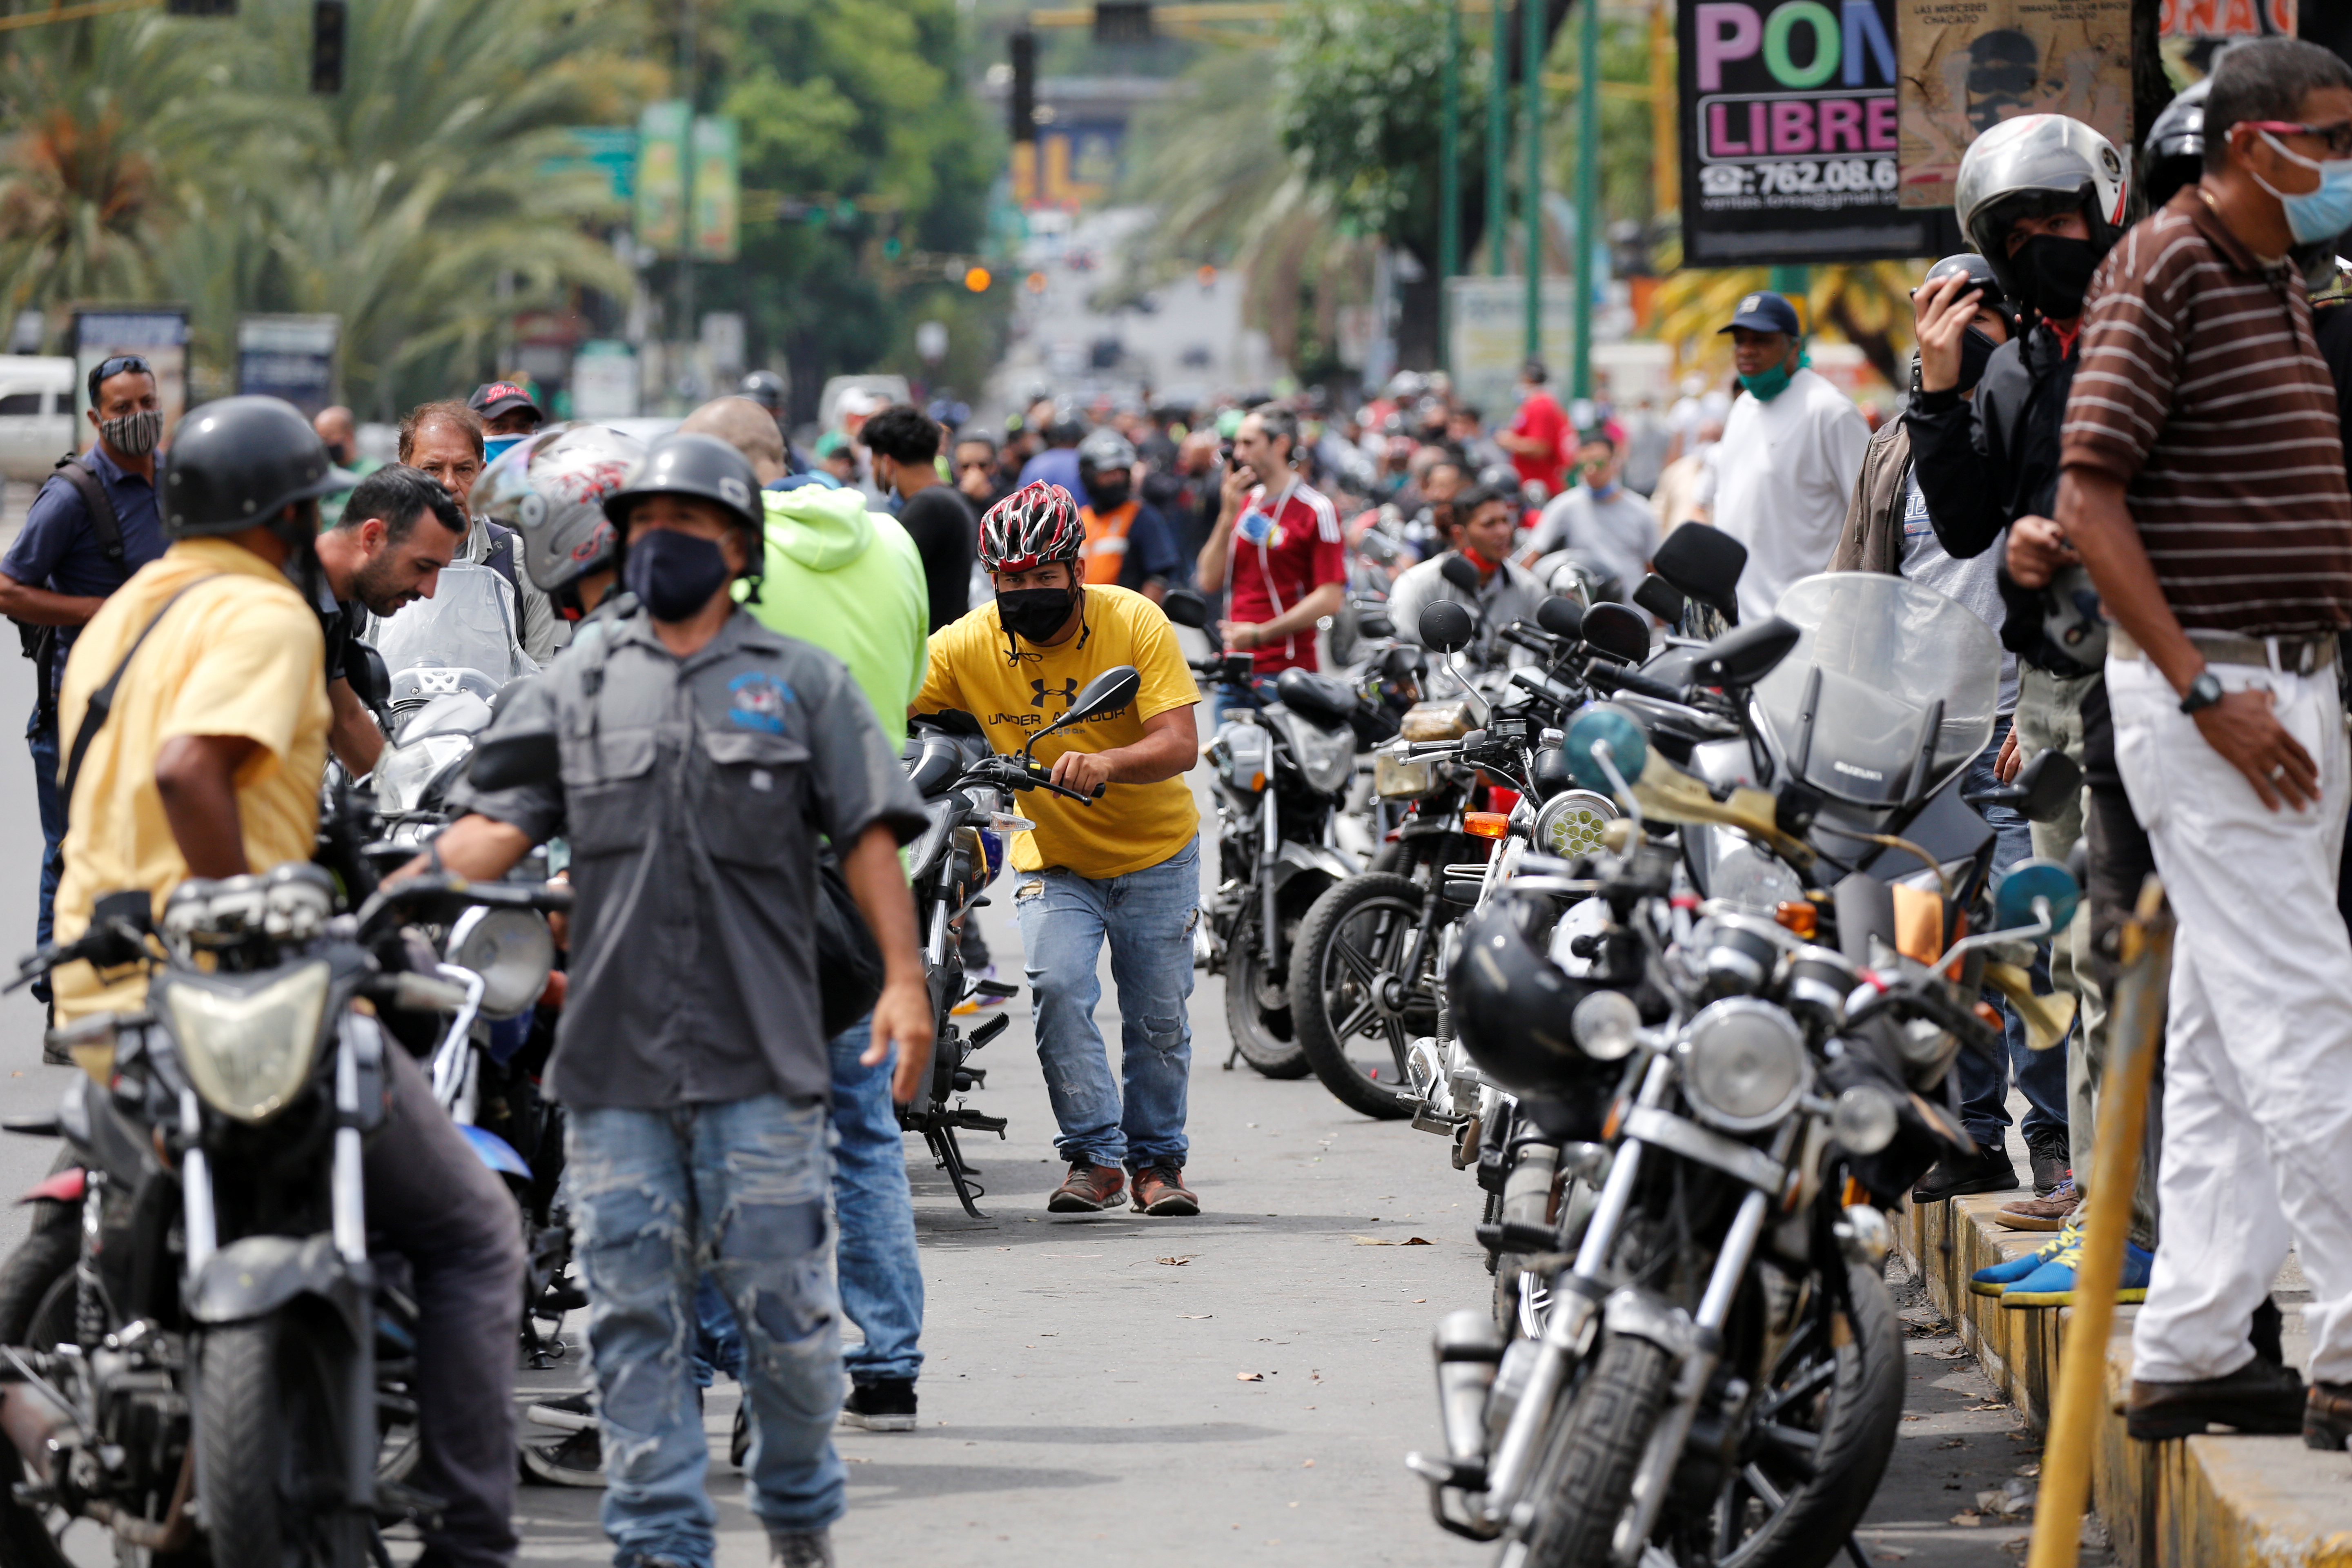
<point>2035,165</point>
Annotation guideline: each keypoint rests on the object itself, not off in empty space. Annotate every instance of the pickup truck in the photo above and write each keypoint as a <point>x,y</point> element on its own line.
<point>36,415</point>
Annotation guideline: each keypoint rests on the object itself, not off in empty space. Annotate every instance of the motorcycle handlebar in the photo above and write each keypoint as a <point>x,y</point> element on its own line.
<point>402,897</point>
<point>1613,677</point>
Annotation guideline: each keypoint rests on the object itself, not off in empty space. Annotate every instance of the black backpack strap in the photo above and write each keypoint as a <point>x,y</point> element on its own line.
<point>96,502</point>
<point>501,558</point>
<point>101,701</point>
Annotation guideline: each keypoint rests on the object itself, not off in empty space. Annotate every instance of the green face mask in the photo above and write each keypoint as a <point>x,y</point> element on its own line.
<point>1770,384</point>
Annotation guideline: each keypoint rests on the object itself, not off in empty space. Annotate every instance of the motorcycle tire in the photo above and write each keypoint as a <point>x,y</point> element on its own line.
<point>36,1299</point>
<point>1323,982</point>
<point>1595,1446</point>
<point>264,1430</point>
<point>1266,1038</point>
<point>1856,1430</point>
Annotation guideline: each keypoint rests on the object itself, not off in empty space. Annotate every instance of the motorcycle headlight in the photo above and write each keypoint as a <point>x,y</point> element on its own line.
<point>403,775</point>
<point>1571,822</point>
<point>1744,1064</point>
<point>1865,1119</point>
<point>1606,1023</point>
<point>247,1041</point>
<point>511,949</point>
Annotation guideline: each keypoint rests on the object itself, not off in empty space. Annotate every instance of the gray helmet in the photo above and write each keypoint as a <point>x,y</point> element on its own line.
<point>550,487</point>
<point>2034,163</point>
<point>764,387</point>
<point>1105,448</point>
<point>700,465</point>
<point>236,462</point>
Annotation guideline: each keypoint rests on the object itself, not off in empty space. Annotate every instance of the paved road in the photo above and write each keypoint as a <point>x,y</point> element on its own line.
<point>1237,1388</point>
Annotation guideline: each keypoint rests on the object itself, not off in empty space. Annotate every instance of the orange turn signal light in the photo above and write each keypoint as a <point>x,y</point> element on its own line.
<point>1799,917</point>
<point>1485,824</point>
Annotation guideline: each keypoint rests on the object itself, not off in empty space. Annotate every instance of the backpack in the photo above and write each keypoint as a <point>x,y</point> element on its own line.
<point>40,643</point>
<point>501,558</point>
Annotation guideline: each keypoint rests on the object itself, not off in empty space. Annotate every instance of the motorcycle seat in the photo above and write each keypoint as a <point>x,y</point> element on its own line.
<point>1324,699</point>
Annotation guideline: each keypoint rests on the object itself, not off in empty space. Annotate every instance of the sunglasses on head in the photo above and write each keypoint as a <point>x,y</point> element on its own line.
<point>108,369</point>
<point>2337,137</point>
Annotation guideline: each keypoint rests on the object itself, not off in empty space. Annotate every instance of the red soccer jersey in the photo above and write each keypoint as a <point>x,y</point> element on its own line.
<point>1299,551</point>
<point>1540,418</point>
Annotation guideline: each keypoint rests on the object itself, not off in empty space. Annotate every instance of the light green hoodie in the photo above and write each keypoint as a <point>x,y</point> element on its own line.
<point>851,582</point>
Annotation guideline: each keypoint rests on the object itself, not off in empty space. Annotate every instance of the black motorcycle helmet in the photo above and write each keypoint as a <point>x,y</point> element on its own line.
<point>764,387</point>
<point>239,461</point>
<point>1511,1003</point>
<point>703,467</point>
<point>1980,276</point>
<point>2173,155</point>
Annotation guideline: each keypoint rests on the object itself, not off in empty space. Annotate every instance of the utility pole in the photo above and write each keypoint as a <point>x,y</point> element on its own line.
<point>1666,165</point>
<point>1449,173</point>
<point>1588,189</point>
<point>1531,49</point>
<point>686,70</point>
<point>1499,133</point>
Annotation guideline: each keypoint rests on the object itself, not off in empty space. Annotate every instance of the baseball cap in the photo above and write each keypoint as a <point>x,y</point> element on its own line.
<point>1765,311</point>
<point>495,397</point>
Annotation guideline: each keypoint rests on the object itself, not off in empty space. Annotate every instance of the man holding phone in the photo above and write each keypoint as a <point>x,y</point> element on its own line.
<point>1276,550</point>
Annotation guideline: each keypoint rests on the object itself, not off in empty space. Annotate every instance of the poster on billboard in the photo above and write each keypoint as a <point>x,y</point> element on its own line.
<point>659,188</point>
<point>1967,65</point>
<point>292,357</point>
<point>1789,134</point>
<point>717,197</point>
<point>156,333</point>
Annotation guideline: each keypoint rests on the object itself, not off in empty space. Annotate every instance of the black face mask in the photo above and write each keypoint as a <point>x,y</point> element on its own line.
<point>674,573</point>
<point>1976,352</point>
<point>1108,495</point>
<point>2053,273</point>
<point>1033,614</point>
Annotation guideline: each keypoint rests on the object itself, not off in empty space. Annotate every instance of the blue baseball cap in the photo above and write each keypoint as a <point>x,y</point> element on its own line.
<point>1765,311</point>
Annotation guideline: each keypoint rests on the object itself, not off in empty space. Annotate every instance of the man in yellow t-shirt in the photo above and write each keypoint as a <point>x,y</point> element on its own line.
<point>1125,867</point>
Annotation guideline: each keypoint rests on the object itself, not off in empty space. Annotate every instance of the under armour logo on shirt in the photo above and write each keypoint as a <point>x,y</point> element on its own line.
<point>1067,692</point>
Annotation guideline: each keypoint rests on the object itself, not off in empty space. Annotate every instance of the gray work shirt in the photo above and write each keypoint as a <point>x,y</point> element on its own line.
<point>693,792</point>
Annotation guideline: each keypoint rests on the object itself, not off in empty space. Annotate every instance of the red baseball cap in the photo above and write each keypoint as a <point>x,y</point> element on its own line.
<point>494,398</point>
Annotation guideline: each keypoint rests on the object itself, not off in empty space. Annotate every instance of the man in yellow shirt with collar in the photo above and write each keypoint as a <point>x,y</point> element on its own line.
<point>1125,869</point>
<point>207,763</point>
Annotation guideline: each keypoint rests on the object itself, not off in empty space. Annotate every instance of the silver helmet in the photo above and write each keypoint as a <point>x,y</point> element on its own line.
<point>2034,163</point>
<point>550,487</point>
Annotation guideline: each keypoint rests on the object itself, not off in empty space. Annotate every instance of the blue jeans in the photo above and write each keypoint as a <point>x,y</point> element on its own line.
<point>661,1198</point>
<point>881,1274</point>
<point>41,738</point>
<point>2040,1075</point>
<point>1137,1118</point>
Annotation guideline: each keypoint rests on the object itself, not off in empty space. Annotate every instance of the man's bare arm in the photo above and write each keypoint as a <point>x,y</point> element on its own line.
<point>1170,747</point>
<point>475,845</point>
<point>40,607</point>
<point>353,735</point>
<point>196,776</point>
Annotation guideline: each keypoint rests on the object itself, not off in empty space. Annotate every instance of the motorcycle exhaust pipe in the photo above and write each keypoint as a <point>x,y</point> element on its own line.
<point>1526,1191</point>
<point>1468,1348</point>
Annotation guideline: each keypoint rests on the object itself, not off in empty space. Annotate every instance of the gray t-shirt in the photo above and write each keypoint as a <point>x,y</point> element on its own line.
<point>1620,531</point>
<point>1975,582</point>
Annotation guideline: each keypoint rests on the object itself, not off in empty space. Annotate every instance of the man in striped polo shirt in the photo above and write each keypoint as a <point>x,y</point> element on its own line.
<point>2203,482</point>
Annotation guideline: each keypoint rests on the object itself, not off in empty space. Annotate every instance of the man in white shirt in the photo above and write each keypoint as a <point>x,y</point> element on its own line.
<point>1780,479</point>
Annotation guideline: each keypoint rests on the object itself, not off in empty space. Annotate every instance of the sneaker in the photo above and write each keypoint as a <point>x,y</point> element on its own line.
<point>577,1461</point>
<point>885,1405</point>
<point>2050,1162</point>
<point>1088,1188</point>
<point>2258,1397</point>
<point>1986,1171</point>
<point>2049,1212</point>
<point>2052,1284</point>
<point>569,1413</point>
<point>1993,1278</point>
<point>1160,1190</point>
<point>983,1000</point>
<point>2327,1416</point>
<point>800,1549</point>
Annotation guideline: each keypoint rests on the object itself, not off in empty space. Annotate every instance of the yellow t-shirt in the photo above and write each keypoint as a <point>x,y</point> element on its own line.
<point>1132,826</point>
<point>241,654</point>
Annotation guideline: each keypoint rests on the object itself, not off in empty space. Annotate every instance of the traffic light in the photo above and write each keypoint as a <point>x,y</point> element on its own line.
<point>327,18</point>
<point>977,279</point>
<point>1122,21</point>
<point>1023,99</point>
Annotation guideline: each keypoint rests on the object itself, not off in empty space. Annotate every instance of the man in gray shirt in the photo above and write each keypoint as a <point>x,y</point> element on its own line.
<point>701,757</point>
<point>1599,516</point>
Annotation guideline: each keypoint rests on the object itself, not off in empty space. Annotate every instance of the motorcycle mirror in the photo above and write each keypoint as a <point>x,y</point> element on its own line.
<point>1456,569</point>
<point>1447,627</point>
<point>1617,630</point>
<point>1562,617</point>
<point>371,682</point>
<point>1374,623</point>
<point>2048,786</point>
<point>1403,662</point>
<point>508,760</point>
<point>1705,564</point>
<point>1615,733</point>
<point>1108,692</point>
<point>2034,881</point>
<point>1186,607</point>
<point>1661,599</point>
<point>1746,656</point>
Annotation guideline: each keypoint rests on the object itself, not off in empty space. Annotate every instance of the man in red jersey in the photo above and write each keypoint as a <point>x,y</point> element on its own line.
<point>1276,550</point>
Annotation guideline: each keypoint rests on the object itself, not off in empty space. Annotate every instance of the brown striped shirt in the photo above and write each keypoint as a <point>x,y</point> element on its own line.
<point>2200,387</point>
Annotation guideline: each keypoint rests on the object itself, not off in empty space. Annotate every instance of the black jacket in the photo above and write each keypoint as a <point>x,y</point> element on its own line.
<point>1985,462</point>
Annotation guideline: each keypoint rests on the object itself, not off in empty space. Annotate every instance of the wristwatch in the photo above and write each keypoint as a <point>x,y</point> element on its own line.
<point>2203,692</point>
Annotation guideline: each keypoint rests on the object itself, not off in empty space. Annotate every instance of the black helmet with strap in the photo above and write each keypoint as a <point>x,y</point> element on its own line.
<point>706,468</point>
<point>237,462</point>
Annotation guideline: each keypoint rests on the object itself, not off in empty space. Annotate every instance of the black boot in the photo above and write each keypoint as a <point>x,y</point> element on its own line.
<point>1986,1171</point>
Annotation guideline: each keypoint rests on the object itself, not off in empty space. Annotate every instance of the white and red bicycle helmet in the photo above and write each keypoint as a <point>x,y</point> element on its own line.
<point>1036,525</point>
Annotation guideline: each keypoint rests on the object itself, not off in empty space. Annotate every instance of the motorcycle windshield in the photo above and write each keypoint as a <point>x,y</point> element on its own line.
<point>468,624</point>
<point>1887,671</point>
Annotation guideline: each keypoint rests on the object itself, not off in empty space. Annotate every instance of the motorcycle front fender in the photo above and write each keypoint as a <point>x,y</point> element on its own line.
<point>1296,859</point>
<point>254,1277</point>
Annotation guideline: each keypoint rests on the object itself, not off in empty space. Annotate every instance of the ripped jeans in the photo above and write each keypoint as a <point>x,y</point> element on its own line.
<point>1148,918</point>
<point>660,1197</point>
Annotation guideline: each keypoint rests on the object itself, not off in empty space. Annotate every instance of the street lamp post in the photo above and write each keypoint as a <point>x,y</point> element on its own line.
<point>1587,187</point>
<point>1449,173</point>
<point>1531,42</point>
<point>1499,133</point>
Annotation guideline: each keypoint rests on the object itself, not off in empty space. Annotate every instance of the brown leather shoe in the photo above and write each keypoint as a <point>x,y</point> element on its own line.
<point>2327,1419</point>
<point>1088,1188</point>
<point>2258,1397</point>
<point>2049,1212</point>
<point>1159,1189</point>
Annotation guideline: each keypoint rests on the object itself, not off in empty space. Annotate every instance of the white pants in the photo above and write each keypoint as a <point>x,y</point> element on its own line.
<point>2258,1048</point>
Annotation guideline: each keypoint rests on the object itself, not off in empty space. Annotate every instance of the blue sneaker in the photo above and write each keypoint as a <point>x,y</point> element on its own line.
<point>2052,1284</point>
<point>1995,1278</point>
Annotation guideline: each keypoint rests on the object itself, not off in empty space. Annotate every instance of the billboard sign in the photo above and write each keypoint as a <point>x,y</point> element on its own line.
<point>717,196</point>
<point>659,187</point>
<point>1790,134</point>
<point>1967,65</point>
<point>292,357</point>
